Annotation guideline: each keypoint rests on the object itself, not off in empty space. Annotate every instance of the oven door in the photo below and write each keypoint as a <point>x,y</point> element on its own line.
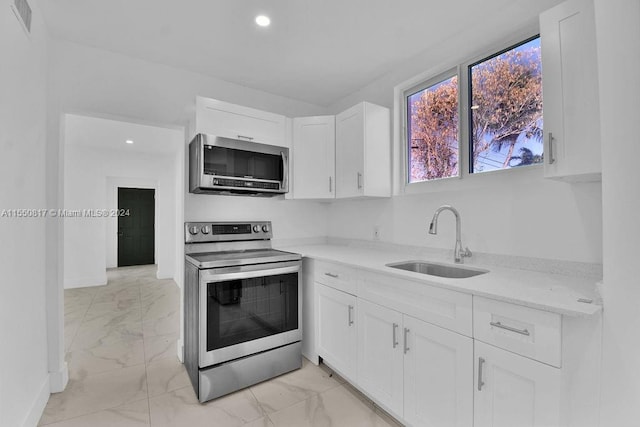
<point>248,309</point>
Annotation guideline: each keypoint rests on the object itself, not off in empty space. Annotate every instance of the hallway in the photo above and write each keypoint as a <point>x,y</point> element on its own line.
<point>120,344</point>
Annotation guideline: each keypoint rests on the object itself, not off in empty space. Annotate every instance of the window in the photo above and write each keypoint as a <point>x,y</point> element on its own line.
<point>432,130</point>
<point>501,102</point>
<point>506,109</point>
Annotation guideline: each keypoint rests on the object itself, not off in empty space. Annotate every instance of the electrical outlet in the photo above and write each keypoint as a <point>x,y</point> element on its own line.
<point>376,232</point>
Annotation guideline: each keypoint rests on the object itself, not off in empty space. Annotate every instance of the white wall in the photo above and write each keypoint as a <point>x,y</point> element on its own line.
<point>524,216</point>
<point>511,212</point>
<point>97,81</point>
<point>24,379</point>
<point>154,93</point>
<point>618,33</point>
<point>92,176</point>
<point>291,219</point>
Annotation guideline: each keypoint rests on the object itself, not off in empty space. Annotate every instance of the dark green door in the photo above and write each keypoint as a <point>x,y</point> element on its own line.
<point>136,226</point>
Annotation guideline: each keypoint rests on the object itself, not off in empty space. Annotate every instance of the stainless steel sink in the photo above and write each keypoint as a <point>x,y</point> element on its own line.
<point>440,270</point>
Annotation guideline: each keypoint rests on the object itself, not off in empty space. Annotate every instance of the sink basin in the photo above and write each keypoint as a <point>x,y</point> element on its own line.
<point>440,270</point>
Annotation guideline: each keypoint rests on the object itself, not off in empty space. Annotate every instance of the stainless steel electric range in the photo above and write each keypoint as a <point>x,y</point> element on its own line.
<point>242,307</point>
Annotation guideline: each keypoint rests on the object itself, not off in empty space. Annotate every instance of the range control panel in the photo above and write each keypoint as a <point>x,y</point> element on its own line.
<point>226,231</point>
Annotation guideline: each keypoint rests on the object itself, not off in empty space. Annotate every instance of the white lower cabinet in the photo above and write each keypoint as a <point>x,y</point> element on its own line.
<point>416,370</point>
<point>515,372</point>
<point>336,329</point>
<point>438,376</point>
<point>512,390</point>
<point>380,354</point>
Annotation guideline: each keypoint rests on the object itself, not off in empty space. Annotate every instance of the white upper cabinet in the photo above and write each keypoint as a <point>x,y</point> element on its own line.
<point>221,118</point>
<point>363,160</point>
<point>570,85</point>
<point>314,154</point>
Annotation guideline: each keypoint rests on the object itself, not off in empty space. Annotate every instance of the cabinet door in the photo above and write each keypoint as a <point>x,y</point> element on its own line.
<point>350,152</point>
<point>512,390</point>
<point>336,329</point>
<point>570,85</point>
<point>314,155</point>
<point>380,356</point>
<point>238,122</point>
<point>438,376</point>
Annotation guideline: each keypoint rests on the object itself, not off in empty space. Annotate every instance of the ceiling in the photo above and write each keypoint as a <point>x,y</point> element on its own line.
<point>314,51</point>
<point>109,134</point>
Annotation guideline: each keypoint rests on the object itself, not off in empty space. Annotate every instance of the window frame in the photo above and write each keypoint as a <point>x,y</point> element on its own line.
<point>412,90</point>
<point>465,179</point>
<point>469,95</point>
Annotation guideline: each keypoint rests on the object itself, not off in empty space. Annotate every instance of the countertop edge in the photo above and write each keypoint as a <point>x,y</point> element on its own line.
<point>590,309</point>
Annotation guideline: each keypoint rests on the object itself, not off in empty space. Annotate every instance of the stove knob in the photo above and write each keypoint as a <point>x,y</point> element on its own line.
<point>193,230</point>
<point>206,229</point>
<point>265,228</point>
<point>256,228</point>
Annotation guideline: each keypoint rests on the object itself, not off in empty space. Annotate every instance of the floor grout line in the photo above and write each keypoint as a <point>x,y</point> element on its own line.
<point>144,354</point>
<point>94,295</point>
<point>84,315</point>
<point>90,413</point>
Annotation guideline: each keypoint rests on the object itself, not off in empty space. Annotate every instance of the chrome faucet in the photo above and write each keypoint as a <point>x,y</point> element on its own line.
<point>458,252</point>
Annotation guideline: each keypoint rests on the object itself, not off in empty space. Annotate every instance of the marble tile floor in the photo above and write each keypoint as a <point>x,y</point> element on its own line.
<point>120,341</point>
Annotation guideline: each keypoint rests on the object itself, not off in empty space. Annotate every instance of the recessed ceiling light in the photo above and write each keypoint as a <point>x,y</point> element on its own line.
<point>263,20</point>
<point>128,141</point>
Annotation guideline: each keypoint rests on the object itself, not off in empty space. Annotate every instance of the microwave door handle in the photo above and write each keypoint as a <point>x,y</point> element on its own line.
<point>210,277</point>
<point>285,171</point>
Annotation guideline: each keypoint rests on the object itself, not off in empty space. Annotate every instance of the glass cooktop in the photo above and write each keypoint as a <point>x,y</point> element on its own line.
<point>240,257</point>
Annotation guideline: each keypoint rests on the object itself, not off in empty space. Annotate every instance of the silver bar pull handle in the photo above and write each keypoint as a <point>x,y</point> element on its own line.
<point>330,185</point>
<point>511,329</point>
<point>248,138</point>
<point>395,337</point>
<point>350,315</point>
<point>480,382</point>
<point>552,159</point>
<point>335,276</point>
<point>406,341</point>
<point>359,180</point>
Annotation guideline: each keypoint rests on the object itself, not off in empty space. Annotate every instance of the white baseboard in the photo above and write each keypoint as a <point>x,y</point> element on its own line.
<point>37,408</point>
<point>85,282</point>
<point>58,380</point>
<point>180,350</point>
<point>162,274</point>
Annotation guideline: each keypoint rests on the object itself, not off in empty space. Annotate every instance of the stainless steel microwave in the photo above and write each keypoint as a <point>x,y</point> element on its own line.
<point>228,166</point>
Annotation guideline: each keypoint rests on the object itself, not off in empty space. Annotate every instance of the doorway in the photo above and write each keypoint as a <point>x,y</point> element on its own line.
<point>136,226</point>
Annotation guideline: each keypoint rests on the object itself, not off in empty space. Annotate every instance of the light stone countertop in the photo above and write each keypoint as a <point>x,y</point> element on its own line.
<point>556,293</point>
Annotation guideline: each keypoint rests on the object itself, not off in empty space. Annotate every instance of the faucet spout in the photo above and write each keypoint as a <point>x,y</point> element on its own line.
<point>458,252</point>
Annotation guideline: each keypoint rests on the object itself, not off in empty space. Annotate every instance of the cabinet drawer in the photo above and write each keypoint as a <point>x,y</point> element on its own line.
<point>526,331</point>
<point>336,276</point>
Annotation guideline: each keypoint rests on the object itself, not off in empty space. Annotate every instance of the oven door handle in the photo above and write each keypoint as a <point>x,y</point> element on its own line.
<point>209,276</point>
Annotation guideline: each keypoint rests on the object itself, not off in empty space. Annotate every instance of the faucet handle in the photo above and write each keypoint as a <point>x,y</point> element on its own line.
<point>465,253</point>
